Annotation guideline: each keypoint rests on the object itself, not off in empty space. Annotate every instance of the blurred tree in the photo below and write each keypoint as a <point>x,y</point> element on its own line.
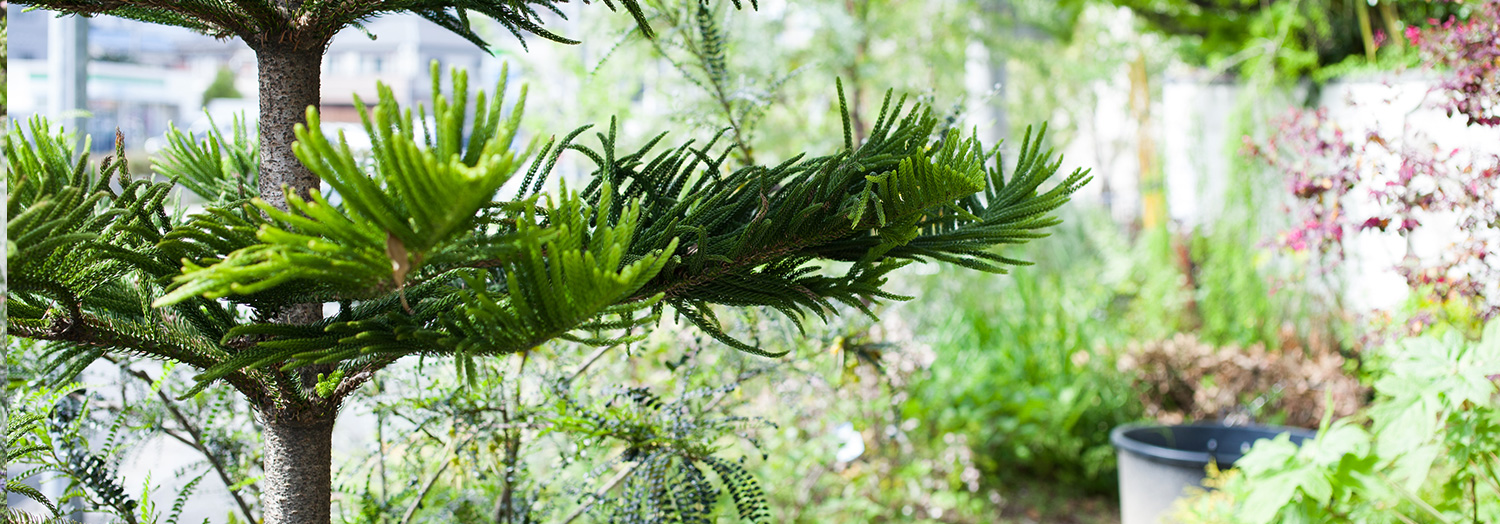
<point>1293,38</point>
<point>222,87</point>
<point>927,50</point>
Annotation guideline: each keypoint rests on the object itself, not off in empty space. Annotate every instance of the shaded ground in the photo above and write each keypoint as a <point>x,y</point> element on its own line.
<point>1037,503</point>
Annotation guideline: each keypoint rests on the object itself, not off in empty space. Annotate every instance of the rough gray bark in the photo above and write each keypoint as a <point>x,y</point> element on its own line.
<point>298,472</point>
<point>289,83</point>
<point>298,484</point>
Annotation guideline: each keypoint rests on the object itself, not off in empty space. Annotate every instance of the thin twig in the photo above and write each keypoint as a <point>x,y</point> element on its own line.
<point>194,432</point>
<point>411,511</point>
<point>1494,479</point>
<point>628,471</point>
<point>602,491</point>
<point>380,448</point>
<point>1415,499</point>
<point>503,506</point>
<point>586,362</point>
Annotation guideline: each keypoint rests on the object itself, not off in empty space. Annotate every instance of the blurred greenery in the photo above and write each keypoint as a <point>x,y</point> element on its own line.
<point>1420,453</point>
<point>1025,366</point>
<point>1026,363</point>
<point>221,87</point>
<point>1289,39</point>
<point>988,399</point>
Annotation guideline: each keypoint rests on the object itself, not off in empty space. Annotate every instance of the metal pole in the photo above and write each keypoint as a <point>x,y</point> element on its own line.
<point>67,72</point>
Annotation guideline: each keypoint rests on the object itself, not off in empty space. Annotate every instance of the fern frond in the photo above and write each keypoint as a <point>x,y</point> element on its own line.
<point>749,497</point>
<point>16,516</point>
<point>182,497</point>
<point>20,488</point>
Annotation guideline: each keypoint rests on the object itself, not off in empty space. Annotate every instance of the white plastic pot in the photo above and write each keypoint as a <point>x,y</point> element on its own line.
<point>1158,463</point>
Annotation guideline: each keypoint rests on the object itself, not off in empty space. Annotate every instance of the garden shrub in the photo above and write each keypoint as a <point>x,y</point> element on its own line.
<point>1422,452</point>
<point>1027,367</point>
<point>1185,379</point>
<point>1025,372</point>
<point>1347,181</point>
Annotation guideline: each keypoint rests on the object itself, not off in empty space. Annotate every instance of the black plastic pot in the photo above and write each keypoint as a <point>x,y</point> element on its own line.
<point>1157,463</point>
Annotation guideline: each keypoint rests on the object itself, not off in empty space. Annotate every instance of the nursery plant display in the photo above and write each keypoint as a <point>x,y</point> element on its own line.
<point>485,313</point>
<point>417,257</point>
<point>1420,451</point>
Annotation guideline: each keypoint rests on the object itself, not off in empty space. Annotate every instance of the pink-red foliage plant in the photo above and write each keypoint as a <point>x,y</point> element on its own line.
<point>1345,182</point>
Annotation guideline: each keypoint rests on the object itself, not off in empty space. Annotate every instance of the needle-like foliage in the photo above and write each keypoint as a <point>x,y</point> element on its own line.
<point>411,250</point>
<point>760,236</point>
<point>219,168</point>
<point>424,259</point>
<point>84,259</point>
<point>419,200</point>
<point>309,25</point>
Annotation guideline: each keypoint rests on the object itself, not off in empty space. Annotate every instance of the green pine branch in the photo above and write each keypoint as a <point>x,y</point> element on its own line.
<point>310,25</point>
<point>755,236</point>
<point>425,261</point>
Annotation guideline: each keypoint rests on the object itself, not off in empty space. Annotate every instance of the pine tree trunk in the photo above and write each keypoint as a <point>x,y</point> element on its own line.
<point>298,484</point>
<point>289,83</point>
<point>297,488</point>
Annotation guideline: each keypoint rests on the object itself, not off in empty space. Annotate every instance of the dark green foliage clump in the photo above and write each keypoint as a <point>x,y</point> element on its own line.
<point>84,467</point>
<point>85,259</point>
<point>221,87</point>
<point>753,238</point>
<point>1288,37</point>
<point>675,473</point>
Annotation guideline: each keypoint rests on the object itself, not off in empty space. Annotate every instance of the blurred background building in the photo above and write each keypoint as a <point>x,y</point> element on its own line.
<point>141,76</point>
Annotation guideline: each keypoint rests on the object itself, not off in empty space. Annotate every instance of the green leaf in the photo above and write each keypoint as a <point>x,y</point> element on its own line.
<point>1268,456</point>
<point>422,196</point>
<point>1267,498</point>
<point>1410,468</point>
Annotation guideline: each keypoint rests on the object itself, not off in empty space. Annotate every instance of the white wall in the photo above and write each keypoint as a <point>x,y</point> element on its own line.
<point>1198,138</point>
